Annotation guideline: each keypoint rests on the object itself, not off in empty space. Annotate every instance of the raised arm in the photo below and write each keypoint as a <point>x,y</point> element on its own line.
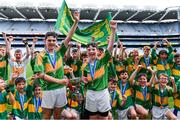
<point>122,49</point>
<point>170,49</point>
<point>133,75</point>
<point>27,48</point>
<point>35,39</point>
<point>173,84</point>
<point>73,28</point>
<point>153,53</point>
<point>67,54</point>
<point>11,97</point>
<point>8,41</point>
<point>113,26</point>
<point>79,50</point>
<point>153,77</point>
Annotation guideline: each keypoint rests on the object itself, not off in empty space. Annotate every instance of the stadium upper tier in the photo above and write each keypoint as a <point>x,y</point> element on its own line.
<point>27,10</point>
<point>124,29</point>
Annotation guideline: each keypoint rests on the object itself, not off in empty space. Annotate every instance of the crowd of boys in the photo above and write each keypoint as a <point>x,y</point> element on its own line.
<point>99,83</point>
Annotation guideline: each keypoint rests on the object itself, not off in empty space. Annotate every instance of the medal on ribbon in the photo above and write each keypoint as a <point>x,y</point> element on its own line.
<point>92,70</point>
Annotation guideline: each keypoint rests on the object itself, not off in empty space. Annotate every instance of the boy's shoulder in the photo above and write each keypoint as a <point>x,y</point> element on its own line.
<point>84,64</point>
<point>168,88</point>
<point>42,53</point>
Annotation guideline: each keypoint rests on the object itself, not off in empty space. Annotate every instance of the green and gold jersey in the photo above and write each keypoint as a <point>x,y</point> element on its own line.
<point>131,66</point>
<point>3,102</point>
<point>125,90</point>
<point>142,95</point>
<point>75,65</point>
<point>20,106</point>
<point>75,97</point>
<point>116,98</point>
<point>160,98</point>
<point>100,79</point>
<point>32,63</point>
<point>4,67</point>
<point>176,72</point>
<point>44,65</point>
<point>111,69</point>
<point>34,108</point>
<point>177,96</point>
<point>119,66</point>
<point>146,62</point>
<point>163,66</point>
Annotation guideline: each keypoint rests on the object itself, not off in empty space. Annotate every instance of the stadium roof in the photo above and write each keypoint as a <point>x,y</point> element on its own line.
<point>45,11</point>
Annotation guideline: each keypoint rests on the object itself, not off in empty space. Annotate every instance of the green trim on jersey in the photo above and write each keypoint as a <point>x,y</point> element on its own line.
<point>43,65</point>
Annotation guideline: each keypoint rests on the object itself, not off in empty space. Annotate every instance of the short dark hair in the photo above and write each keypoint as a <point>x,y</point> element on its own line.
<point>176,55</point>
<point>101,49</point>
<point>19,79</point>
<point>35,86</point>
<point>162,52</point>
<point>123,71</point>
<point>17,51</point>
<point>91,44</point>
<point>51,34</point>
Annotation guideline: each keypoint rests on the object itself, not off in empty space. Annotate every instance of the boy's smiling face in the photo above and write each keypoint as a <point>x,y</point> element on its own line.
<point>112,85</point>
<point>177,60</point>
<point>50,43</point>
<point>92,52</point>
<point>163,80</point>
<point>2,84</point>
<point>20,87</point>
<point>124,76</point>
<point>37,91</point>
<point>142,80</point>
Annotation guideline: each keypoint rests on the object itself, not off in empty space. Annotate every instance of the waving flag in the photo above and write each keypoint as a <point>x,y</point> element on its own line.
<point>99,30</point>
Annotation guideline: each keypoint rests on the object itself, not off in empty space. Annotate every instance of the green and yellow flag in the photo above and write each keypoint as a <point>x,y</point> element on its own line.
<point>99,30</point>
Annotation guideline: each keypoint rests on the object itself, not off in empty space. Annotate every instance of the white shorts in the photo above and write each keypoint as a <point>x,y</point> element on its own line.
<point>97,101</point>
<point>54,98</point>
<point>159,113</point>
<point>18,118</point>
<point>123,114</point>
<point>137,105</point>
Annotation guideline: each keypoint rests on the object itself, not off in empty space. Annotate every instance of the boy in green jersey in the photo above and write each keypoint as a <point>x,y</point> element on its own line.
<point>176,74</point>
<point>116,97</point>
<point>34,106</point>
<point>5,97</point>
<point>175,67</point>
<point>22,96</point>
<point>164,59</point>
<point>126,91</point>
<point>160,94</point>
<point>95,75</point>
<point>74,60</point>
<point>3,63</point>
<point>146,61</point>
<point>177,100</point>
<point>49,67</point>
<point>142,91</point>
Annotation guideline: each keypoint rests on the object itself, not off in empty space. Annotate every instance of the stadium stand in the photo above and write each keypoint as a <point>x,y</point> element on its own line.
<point>134,28</point>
